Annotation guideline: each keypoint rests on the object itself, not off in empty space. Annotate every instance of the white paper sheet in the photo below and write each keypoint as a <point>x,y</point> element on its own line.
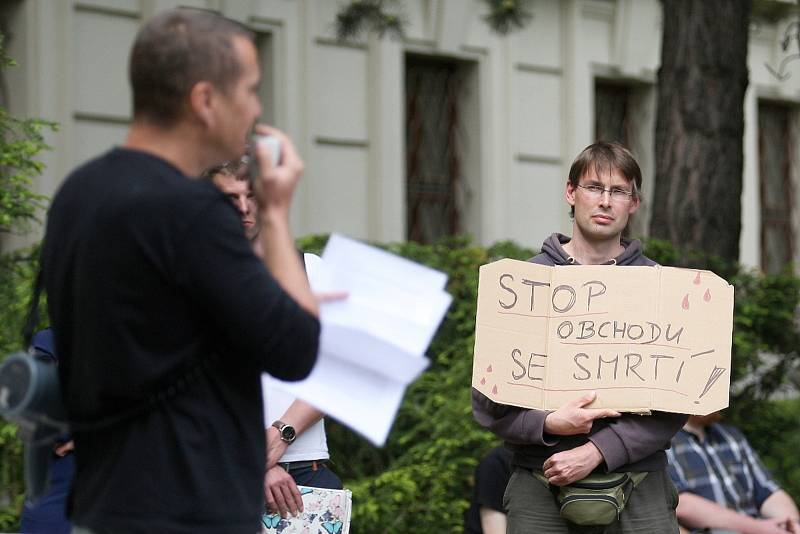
<point>359,398</point>
<point>346,255</point>
<point>373,342</point>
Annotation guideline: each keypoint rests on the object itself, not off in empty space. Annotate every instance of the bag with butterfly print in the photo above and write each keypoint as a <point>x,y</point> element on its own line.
<point>325,511</point>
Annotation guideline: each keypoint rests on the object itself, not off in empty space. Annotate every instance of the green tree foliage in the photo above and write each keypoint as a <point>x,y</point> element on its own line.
<point>386,16</point>
<point>21,141</point>
<point>422,480</point>
<point>773,429</point>
<point>765,333</point>
<point>359,16</point>
<point>764,357</point>
<point>17,273</point>
<point>506,16</point>
<point>16,277</point>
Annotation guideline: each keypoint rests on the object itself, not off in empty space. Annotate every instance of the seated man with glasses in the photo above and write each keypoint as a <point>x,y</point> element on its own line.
<point>564,446</point>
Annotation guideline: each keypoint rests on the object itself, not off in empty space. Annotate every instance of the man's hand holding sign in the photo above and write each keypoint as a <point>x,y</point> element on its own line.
<point>575,418</point>
<point>571,419</point>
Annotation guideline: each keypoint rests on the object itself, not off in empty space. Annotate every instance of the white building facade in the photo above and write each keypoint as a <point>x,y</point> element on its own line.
<point>451,128</point>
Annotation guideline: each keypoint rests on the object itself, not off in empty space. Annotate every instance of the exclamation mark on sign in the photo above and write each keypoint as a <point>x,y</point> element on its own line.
<point>713,377</point>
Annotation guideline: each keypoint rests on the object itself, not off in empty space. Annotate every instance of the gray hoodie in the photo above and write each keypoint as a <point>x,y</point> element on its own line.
<point>628,443</point>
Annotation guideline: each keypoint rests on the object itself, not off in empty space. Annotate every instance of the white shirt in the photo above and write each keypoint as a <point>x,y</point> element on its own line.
<point>311,444</point>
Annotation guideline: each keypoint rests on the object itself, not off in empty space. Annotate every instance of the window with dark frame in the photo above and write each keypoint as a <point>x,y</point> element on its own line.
<point>611,122</point>
<point>611,110</point>
<point>775,163</point>
<point>266,90</point>
<point>434,162</point>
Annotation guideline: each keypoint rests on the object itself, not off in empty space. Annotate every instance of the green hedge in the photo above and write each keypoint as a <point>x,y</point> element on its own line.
<point>765,358</point>
<point>17,272</point>
<point>422,479</point>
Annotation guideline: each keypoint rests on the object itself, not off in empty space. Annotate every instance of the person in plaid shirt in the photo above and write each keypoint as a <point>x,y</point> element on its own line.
<point>723,485</point>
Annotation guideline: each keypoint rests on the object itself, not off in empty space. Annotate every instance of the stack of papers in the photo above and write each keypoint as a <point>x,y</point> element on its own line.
<point>373,342</point>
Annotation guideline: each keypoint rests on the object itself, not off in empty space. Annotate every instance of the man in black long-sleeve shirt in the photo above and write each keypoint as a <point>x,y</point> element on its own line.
<point>164,316</point>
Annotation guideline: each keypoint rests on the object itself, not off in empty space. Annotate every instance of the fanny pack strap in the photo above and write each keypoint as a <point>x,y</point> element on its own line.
<point>634,476</point>
<point>637,477</point>
<point>634,479</point>
<point>32,317</point>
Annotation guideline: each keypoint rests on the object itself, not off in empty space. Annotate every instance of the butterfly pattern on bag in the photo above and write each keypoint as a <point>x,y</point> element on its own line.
<point>324,512</point>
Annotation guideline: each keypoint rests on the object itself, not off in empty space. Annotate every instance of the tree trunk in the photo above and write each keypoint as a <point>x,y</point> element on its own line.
<point>700,125</point>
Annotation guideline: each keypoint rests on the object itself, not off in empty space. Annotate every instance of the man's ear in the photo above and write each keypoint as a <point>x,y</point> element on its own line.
<point>635,202</point>
<point>569,194</point>
<point>202,103</point>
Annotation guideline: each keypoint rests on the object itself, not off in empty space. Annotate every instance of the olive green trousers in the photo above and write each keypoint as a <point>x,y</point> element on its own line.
<point>532,508</point>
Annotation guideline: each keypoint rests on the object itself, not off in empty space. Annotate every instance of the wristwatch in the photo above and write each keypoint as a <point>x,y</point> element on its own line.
<point>286,432</point>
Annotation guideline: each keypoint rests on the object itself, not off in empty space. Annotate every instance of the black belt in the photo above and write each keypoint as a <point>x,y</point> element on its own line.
<point>313,464</point>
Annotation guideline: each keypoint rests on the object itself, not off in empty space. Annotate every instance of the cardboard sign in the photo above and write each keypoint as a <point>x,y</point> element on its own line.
<point>643,338</point>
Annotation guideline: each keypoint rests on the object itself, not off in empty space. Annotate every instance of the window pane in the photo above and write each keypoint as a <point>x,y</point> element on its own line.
<point>434,173</point>
<point>611,112</point>
<point>775,166</point>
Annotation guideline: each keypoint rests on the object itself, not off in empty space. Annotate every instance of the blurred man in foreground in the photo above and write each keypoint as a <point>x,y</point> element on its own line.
<point>165,318</point>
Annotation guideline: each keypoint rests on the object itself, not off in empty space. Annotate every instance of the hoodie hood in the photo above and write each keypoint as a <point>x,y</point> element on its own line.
<point>553,253</point>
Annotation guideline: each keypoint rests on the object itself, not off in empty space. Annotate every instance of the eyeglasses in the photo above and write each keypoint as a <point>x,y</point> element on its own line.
<point>594,192</point>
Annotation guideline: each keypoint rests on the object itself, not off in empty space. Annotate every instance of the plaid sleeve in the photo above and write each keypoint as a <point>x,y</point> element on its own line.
<point>675,471</point>
<point>763,483</point>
